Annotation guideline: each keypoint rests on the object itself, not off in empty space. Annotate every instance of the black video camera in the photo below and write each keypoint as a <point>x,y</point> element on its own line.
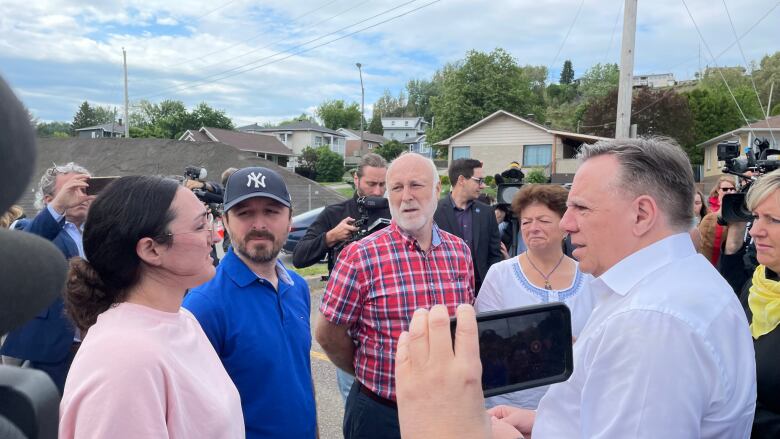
<point>213,200</point>
<point>733,208</point>
<point>365,206</point>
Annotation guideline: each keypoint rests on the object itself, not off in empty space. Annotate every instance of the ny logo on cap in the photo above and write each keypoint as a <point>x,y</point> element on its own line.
<point>258,178</point>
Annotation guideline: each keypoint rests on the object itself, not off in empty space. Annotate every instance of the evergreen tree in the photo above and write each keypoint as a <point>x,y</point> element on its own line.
<point>85,117</point>
<point>567,74</point>
<point>375,127</point>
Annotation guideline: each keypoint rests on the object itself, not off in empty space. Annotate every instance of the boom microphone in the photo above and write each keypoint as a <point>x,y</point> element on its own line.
<point>32,275</point>
<point>17,144</point>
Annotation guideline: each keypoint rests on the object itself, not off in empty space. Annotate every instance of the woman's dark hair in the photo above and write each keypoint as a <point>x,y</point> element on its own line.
<point>550,195</point>
<point>129,209</point>
<point>703,211</point>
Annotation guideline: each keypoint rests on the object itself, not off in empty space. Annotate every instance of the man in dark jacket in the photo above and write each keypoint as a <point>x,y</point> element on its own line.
<point>461,214</point>
<point>334,226</point>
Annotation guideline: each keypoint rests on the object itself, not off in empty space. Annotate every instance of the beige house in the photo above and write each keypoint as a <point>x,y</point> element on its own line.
<point>503,137</point>
<point>765,129</point>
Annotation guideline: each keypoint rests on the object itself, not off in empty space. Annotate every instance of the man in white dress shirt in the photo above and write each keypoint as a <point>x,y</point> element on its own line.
<point>667,352</point>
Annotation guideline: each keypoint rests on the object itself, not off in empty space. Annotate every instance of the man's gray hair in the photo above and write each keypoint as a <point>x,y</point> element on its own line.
<point>372,160</point>
<point>49,180</point>
<point>654,166</point>
<point>762,188</point>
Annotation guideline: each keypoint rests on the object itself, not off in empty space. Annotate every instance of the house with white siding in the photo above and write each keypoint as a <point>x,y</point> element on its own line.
<point>503,137</point>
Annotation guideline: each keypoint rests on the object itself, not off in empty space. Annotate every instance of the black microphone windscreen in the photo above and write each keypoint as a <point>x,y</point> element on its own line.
<point>32,275</point>
<point>17,147</point>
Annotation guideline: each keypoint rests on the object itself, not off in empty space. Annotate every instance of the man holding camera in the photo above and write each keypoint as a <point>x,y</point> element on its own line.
<point>335,226</point>
<point>473,221</point>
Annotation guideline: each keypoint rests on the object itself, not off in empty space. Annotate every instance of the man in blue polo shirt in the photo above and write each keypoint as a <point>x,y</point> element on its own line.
<point>256,313</point>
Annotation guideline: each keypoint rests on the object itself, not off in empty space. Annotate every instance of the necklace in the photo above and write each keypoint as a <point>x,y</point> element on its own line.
<point>547,285</point>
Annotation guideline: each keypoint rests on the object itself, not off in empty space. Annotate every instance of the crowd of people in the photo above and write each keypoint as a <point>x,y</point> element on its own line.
<point>674,314</point>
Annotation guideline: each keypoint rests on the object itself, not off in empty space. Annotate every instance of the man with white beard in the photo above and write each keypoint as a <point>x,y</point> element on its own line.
<point>377,284</point>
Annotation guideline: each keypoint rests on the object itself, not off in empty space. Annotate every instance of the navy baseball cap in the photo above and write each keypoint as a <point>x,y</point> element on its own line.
<point>255,182</point>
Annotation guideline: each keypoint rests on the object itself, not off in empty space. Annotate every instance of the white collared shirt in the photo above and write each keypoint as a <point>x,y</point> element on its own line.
<point>667,353</point>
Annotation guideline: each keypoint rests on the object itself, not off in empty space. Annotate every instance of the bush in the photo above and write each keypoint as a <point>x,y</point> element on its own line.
<point>490,180</point>
<point>445,180</point>
<point>330,165</point>
<point>536,175</point>
<point>305,171</point>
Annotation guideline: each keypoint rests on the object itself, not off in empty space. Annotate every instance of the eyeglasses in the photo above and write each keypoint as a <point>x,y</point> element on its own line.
<point>478,180</point>
<point>209,227</point>
<point>728,189</point>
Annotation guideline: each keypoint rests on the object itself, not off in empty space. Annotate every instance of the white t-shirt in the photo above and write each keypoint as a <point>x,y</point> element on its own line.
<point>506,286</point>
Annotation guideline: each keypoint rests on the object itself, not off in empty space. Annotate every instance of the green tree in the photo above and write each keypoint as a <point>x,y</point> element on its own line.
<point>767,73</point>
<point>205,116</point>
<point>420,93</point>
<point>375,127</point>
<point>336,114</point>
<point>482,84</point>
<point>84,117</point>
<point>390,106</point>
<point>390,150</point>
<point>567,73</point>
<point>105,115</point>
<point>329,166</point>
<point>536,175</point>
<point>53,129</point>
<point>598,81</point>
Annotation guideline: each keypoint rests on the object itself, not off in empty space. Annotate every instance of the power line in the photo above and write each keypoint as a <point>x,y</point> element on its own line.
<point>665,95</point>
<point>614,28</point>
<point>720,72</point>
<point>252,38</point>
<point>202,82</point>
<point>214,10</point>
<point>241,55</point>
<point>750,70</point>
<point>571,26</point>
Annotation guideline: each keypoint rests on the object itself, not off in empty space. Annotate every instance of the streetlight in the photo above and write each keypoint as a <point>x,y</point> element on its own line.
<point>362,103</point>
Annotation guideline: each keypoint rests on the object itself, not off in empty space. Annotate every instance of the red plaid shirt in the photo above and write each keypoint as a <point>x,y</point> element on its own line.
<point>380,281</point>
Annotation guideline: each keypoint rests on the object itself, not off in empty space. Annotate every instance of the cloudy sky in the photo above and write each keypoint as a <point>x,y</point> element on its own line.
<point>268,60</point>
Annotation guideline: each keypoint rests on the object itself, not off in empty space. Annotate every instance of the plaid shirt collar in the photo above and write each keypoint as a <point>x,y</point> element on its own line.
<point>410,242</point>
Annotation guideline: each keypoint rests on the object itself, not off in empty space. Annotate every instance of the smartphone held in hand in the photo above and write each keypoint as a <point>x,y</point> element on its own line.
<point>524,347</point>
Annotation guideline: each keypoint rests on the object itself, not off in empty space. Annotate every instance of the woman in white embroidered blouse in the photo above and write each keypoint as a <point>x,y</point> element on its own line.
<point>541,274</point>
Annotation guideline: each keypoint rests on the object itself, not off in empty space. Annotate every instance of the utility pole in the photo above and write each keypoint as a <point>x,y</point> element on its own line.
<point>625,87</point>
<point>362,103</point>
<point>127,119</point>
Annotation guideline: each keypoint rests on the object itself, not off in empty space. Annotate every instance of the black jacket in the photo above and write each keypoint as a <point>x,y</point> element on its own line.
<point>311,248</point>
<point>487,243</point>
<point>766,423</point>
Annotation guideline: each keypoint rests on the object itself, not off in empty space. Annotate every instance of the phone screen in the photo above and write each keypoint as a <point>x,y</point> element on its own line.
<point>524,347</point>
<point>97,184</point>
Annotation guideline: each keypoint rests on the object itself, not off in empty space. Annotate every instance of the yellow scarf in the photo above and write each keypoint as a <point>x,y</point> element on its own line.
<point>764,303</point>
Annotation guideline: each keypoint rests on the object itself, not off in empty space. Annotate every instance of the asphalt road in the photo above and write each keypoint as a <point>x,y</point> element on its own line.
<point>330,407</point>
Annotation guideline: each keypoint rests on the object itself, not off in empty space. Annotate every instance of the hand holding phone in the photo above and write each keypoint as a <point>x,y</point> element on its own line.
<point>97,184</point>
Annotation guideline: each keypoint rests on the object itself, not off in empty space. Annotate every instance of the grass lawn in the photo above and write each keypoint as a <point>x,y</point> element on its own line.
<point>314,270</point>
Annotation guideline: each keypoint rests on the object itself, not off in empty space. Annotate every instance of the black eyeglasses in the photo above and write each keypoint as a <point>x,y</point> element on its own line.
<point>728,189</point>
<point>478,180</point>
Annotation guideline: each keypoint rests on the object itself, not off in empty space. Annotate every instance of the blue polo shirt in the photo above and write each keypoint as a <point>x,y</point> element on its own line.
<point>263,338</point>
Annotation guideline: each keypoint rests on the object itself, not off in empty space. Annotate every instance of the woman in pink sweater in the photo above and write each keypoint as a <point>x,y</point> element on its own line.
<point>145,368</point>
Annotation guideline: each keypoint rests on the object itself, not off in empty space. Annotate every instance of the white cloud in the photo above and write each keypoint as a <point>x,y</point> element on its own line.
<point>171,44</point>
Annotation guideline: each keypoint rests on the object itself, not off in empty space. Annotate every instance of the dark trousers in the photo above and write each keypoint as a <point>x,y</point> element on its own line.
<point>365,418</point>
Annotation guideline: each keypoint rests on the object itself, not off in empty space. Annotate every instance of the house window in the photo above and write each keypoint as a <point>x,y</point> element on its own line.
<point>461,152</point>
<point>317,141</point>
<point>392,122</point>
<point>406,123</point>
<point>537,155</point>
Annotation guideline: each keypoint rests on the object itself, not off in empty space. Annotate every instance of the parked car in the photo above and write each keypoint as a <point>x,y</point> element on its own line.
<point>299,225</point>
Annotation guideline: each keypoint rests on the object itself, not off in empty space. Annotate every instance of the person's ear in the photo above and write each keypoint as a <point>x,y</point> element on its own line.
<point>645,214</point>
<point>149,251</point>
